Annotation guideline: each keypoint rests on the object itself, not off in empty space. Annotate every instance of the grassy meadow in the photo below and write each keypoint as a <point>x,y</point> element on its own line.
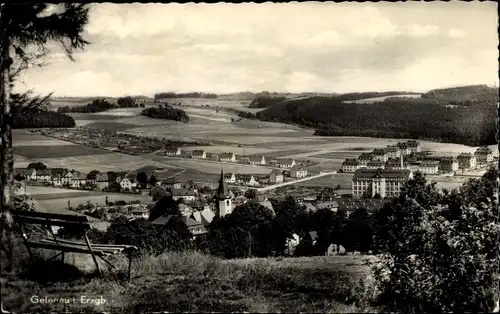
<point>191,282</point>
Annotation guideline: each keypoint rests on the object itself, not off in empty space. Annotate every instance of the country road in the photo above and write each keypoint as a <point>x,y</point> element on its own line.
<point>272,187</point>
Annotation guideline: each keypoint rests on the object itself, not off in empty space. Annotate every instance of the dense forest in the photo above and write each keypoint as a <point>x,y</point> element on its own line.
<point>262,101</point>
<point>166,112</point>
<point>466,95</point>
<point>396,118</point>
<point>100,105</point>
<point>185,95</point>
<point>36,118</point>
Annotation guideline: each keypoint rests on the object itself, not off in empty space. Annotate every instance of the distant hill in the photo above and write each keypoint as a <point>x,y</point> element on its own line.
<point>464,94</point>
<point>424,118</point>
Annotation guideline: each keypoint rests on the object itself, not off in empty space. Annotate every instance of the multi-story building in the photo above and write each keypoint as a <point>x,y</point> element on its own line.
<point>396,164</point>
<point>392,152</point>
<point>297,172</point>
<point>275,176</point>
<point>350,165</point>
<point>382,182</point>
<point>379,154</point>
<point>365,158</point>
<point>375,164</point>
<point>78,179</point>
<point>429,166</point>
<point>466,161</point>
<point>403,146</point>
<point>483,155</point>
<point>414,146</point>
<point>448,164</point>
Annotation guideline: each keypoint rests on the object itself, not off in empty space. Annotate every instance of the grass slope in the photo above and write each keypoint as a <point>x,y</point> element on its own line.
<point>190,282</point>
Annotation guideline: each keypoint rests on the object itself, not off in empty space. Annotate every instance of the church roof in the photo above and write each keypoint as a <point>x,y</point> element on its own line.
<point>222,190</point>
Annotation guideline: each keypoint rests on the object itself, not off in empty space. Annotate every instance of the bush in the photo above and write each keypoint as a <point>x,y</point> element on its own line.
<point>442,255</point>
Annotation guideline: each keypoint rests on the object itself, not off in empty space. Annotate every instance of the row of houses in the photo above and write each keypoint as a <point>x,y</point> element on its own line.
<point>231,157</point>
<point>385,159</point>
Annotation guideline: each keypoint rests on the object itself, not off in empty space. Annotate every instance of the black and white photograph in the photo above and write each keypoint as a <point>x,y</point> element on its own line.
<point>301,157</point>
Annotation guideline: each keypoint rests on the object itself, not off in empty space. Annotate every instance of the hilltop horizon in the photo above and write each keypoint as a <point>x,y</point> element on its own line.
<point>55,96</point>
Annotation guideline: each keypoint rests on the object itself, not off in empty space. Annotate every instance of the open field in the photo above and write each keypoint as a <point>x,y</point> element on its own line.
<point>374,99</point>
<point>213,167</point>
<point>61,203</point>
<point>191,282</point>
<point>344,179</point>
<point>234,149</point>
<point>37,152</point>
<point>43,190</point>
<point>103,162</point>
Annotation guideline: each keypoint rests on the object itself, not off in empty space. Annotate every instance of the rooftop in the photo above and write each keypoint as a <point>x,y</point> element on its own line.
<point>384,173</point>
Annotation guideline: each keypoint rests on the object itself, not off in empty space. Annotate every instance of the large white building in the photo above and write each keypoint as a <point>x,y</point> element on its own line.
<point>350,165</point>
<point>483,155</point>
<point>466,161</point>
<point>383,182</point>
<point>429,166</point>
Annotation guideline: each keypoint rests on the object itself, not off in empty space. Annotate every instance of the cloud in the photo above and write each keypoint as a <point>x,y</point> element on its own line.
<point>147,48</point>
<point>457,33</point>
<point>421,30</point>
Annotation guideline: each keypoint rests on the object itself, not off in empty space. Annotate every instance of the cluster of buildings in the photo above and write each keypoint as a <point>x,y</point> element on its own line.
<point>73,178</point>
<point>231,157</point>
<point>382,172</point>
<point>198,213</point>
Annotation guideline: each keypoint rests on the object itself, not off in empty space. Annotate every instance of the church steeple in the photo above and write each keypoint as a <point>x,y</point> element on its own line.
<point>223,198</point>
<point>222,190</point>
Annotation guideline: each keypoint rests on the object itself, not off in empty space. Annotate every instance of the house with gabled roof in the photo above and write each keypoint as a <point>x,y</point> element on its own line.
<point>171,183</point>
<point>128,182</point>
<point>43,175</point>
<point>230,178</point>
<point>375,164</point>
<point>56,180</point>
<point>102,181</point>
<point>173,151</point>
<point>198,154</point>
<point>275,176</point>
<point>392,151</point>
<point>246,179</point>
<point>257,160</point>
<point>228,157</point>
<point>298,172</point>
<point>26,173</point>
<point>286,163</point>
<point>350,165</point>
<point>448,164</point>
<point>186,194</point>
<point>78,179</point>
<point>403,146</point>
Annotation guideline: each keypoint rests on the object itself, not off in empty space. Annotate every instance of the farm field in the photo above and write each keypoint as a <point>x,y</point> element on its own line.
<point>374,99</point>
<point>344,179</point>
<point>213,167</point>
<point>103,162</point>
<point>234,149</point>
<point>61,203</point>
<point>37,152</point>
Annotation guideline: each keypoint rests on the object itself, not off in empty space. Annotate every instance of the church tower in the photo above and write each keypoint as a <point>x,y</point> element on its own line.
<point>223,198</point>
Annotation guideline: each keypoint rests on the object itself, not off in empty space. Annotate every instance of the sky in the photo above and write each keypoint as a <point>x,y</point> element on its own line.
<point>142,49</point>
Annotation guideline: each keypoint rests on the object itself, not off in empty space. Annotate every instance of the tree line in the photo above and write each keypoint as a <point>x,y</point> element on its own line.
<point>99,105</point>
<point>472,125</point>
<point>166,112</point>
<point>39,118</point>
<point>185,95</point>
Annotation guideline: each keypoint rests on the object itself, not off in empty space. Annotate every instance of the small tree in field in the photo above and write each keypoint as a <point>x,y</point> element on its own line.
<point>440,253</point>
